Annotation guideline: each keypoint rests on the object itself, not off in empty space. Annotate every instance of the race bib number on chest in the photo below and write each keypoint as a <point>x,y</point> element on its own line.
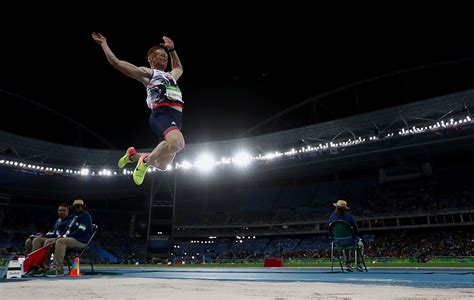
<point>173,93</point>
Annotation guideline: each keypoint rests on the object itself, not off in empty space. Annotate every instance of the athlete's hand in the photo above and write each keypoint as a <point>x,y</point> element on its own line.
<point>168,44</point>
<point>99,38</point>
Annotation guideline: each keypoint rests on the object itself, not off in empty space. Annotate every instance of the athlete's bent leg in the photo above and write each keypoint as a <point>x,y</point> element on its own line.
<point>164,153</point>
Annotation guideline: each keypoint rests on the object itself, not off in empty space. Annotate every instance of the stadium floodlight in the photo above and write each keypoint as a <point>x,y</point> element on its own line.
<point>270,156</point>
<point>186,165</point>
<point>225,161</point>
<point>242,159</point>
<point>84,171</point>
<point>291,152</point>
<point>205,162</point>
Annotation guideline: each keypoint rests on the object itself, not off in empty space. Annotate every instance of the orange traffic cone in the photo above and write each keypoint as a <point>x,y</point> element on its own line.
<point>75,268</point>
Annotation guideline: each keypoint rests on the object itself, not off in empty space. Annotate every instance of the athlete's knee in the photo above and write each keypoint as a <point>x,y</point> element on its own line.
<point>176,144</point>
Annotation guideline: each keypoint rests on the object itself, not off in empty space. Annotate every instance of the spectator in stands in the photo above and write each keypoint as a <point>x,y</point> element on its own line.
<point>341,213</point>
<point>77,235</point>
<point>37,241</point>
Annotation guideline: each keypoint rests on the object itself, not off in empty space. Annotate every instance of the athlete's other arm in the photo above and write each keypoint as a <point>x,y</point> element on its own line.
<point>141,74</point>
<point>176,67</point>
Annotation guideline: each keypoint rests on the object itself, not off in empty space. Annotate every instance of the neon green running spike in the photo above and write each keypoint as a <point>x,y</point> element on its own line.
<point>126,158</point>
<point>140,171</point>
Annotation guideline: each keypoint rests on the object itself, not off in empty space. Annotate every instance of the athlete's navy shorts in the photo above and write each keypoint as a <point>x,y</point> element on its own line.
<point>164,120</point>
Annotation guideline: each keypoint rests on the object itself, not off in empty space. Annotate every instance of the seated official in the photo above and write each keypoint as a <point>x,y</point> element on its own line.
<point>78,233</point>
<point>342,213</point>
<point>35,242</point>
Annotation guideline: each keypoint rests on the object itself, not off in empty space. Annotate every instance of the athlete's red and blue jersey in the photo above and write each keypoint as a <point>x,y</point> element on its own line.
<point>163,90</point>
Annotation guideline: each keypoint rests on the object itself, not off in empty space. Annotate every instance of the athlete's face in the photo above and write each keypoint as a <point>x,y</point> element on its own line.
<point>158,59</point>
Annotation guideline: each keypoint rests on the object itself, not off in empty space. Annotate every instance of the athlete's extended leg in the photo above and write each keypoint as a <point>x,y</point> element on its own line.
<point>164,153</point>
<point>136,156</point>
<point>127,157</point>
<point>131,155</point>
<point>161,156</point>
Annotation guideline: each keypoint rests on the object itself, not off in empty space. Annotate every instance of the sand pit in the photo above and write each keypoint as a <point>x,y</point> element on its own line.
<point>150,288</point>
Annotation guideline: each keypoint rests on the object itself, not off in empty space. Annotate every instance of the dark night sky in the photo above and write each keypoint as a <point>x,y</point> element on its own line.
<point>241,66</point>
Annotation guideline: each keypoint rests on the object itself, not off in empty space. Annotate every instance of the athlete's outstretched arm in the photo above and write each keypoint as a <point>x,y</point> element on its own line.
<point>176,67</point>
<point>141,74</point>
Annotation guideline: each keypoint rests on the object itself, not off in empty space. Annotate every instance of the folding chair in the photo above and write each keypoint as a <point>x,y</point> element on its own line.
<point>343,238</point>
<point>78,252</point>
